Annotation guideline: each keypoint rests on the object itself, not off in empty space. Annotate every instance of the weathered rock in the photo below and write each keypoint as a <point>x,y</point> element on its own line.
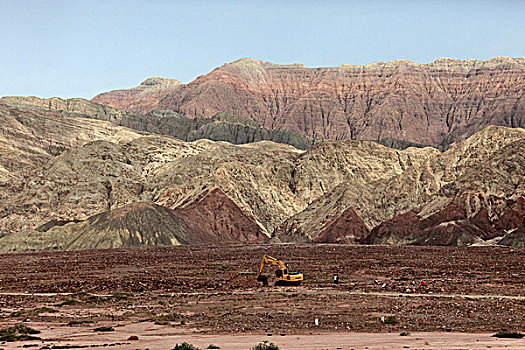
<point>31,137</point>
<point>220,127</point>
<point>347,228</point>
<point>216,218</point>
<point>515,238</point>
<point>475,180</point>
<point>76,107</point>
<point>334,192</point>
<point>134,225</point>
<point>143,98</point>
<point>433,104</point>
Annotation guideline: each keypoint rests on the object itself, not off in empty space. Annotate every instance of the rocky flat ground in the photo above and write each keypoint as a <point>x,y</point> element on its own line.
<point>212,289</point>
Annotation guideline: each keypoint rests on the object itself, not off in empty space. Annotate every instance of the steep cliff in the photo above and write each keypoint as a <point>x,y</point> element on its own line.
<point>439,103</point>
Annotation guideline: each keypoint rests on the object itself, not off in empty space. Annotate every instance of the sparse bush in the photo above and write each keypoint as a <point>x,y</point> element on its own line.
<point>211,346</point>
<point>265,346</point>
<point>165,319</point>
<point>104,329</point>
<point>185,346</point>
<point>18,332</point>
<point>75,323</point>
<point>506,334</point>
<point>120,296</point>
<point>42,310</point>
<point>391,320</point>
<point>68,302</point>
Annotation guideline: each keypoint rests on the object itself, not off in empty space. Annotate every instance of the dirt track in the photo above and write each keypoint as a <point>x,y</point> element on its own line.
<point>212,290</point>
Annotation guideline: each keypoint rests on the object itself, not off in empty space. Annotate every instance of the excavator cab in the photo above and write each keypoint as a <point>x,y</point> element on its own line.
<point>282,276</point>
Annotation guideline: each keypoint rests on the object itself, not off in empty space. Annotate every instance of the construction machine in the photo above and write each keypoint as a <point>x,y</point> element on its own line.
<point>282,276</point>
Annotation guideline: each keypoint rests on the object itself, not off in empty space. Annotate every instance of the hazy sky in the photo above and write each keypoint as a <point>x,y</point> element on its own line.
<point>80,48</point>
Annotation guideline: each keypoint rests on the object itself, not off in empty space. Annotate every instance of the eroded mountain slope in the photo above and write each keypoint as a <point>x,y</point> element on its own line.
<point>220,127</point>
<point>466,182</point>
<point>142,98</point>
<point>433,104</point>
<point>334,192</point>
<point>31,137</point>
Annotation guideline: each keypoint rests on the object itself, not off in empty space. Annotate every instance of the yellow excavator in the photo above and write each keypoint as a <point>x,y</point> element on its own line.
<point>282,276</point>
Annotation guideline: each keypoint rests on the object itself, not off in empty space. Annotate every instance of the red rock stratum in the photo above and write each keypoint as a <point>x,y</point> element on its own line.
<point>434,104</point>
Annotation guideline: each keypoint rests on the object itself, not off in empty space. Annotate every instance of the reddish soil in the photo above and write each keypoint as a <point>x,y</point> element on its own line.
<point>213,290</point>
<point>214,217</point>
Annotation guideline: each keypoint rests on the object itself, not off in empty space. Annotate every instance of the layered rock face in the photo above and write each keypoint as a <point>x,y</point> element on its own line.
<point>109,186</point>
<point>31,137</point>
<point>433,104</point>
<point>220,127</point>
<point>143,98</point>
<point>482,198</point>
<point>467,195</point>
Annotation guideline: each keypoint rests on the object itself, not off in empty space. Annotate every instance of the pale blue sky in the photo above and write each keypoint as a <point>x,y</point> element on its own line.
<point>80,48</point>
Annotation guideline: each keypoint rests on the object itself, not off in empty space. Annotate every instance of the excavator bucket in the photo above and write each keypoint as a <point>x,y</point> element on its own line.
<point>263,279</point>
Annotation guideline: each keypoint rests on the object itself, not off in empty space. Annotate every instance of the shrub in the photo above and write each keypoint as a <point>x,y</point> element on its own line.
<point>121,296</point>
<point>42,310</point>
<point>185,346</point>
<point>165,319</point>
<point>104,329</point>
<point>211,346</point>
<point>391,320</point>
<point>74,323</point>
<point>404,334</point>
<point>506,334</point>
<point>265,346</point>
<point>68,302</point>
<point>18,332</point>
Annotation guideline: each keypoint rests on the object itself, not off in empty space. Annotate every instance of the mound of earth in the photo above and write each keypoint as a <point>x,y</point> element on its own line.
<point>134,225</point>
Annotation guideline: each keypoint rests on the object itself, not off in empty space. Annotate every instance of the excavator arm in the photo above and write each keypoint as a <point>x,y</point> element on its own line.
<point>273,261</point>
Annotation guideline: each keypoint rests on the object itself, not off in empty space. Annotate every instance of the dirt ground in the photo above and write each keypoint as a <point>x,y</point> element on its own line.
<point>209,294</point>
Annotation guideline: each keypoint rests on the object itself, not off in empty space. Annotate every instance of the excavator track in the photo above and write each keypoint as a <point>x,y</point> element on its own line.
<point>287,283</point>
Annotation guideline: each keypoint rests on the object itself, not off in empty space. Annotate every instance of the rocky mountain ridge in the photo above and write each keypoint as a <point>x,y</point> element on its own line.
<point>340,192</point>
<point>436,104</point>
<point>144,97</point>
<point>220,127</point>
<point>76,174</point>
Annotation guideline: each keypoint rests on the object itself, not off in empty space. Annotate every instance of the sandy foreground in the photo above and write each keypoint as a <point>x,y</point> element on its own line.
<point>151,336</point>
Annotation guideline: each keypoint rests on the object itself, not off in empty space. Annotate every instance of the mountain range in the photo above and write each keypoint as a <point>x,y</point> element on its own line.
<point>434,104</point>
<point>150,165</point>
